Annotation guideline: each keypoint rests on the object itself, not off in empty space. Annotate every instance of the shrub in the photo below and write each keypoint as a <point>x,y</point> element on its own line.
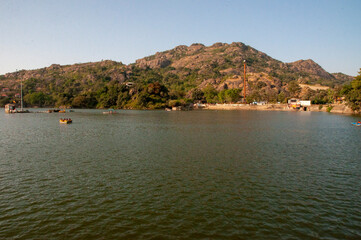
<point>329,108</point>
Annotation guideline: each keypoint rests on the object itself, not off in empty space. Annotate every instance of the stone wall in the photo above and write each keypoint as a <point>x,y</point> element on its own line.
<point>336,108</point>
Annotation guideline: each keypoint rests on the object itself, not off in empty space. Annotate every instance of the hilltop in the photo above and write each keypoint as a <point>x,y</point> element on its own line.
<point>176,74</point>
<point>226,61</point>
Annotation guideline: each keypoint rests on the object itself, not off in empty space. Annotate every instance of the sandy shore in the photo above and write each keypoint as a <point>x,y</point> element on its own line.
<point>336,108</point>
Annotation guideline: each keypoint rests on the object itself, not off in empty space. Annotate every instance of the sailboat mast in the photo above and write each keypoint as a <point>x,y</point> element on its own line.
<point>21,94</point>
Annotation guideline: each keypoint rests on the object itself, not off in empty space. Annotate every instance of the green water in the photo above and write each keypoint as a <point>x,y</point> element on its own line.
<point>180,175</point>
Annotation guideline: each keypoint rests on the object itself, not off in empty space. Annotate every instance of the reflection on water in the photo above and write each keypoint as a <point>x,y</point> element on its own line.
<point>198,174</point>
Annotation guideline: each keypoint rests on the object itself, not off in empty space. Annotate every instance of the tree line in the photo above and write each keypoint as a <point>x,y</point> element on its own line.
<point>152,91</point>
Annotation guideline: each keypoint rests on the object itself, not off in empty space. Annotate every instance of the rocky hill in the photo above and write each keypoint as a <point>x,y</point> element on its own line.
<point>222,64</point>
<point>57,75</point>
<point>342,78</point>
<point>180,70</point>
<point>310,67</point>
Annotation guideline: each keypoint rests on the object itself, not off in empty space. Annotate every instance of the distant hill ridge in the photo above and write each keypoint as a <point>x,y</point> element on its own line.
<point>224,57</point>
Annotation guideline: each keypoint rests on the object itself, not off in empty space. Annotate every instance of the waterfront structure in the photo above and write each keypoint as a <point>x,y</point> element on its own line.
<point>305,103</point>
<point>294,103</point>
<point>10,108</point>
<point>178,108</point>
<point>339,100</point>
<point>297,104</point>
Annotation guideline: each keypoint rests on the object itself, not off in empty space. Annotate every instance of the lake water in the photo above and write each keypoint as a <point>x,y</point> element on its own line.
<point>180,175</point>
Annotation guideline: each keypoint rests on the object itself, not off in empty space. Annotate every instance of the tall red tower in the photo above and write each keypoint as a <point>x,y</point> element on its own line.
<point>244,81</point>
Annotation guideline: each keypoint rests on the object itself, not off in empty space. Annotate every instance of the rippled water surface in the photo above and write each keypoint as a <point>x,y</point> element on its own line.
<point>180,175</point>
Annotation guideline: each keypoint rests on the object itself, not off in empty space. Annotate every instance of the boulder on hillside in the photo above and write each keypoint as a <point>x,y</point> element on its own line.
<point>222,86</point>
<point>154,63</point>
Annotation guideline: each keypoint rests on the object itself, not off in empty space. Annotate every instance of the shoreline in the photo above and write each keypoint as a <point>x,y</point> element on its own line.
<point>335,108</point>
<point>331,108</point>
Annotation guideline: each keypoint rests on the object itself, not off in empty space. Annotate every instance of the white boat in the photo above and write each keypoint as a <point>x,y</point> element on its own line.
<point>110,111</point>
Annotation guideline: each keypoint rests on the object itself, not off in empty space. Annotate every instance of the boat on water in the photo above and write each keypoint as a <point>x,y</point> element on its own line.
<point>58,111</point>
<point>356,123</point>
<point>65,120</point>
<point>11,108</point>
<point>22,111</point>
<point>110,111</point>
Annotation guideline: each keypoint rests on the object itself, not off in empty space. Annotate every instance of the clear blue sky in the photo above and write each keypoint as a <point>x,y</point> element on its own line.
<point>38,33</point>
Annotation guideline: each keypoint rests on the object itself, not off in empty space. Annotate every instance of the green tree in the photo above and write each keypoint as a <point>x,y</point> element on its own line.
<point>84,101</point>
<point>108,96</point>
<point>260,84</point>
<point>222,96</point>
<point>38,99</point>
<point>210,94</point>
<point>30,85</point>
<point>254,96</point>
<point>294,88</point>
<point>281,97</point>
<point>4,101</point>
<point>123,99</point>
<point>232,95</point>
<point>353,93</point>
<point>321,97</point>
<point>197,94</point>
